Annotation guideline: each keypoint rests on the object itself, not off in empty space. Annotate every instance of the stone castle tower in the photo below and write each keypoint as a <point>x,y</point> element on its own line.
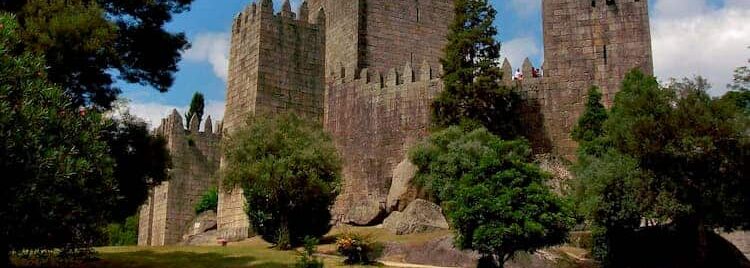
<point>369,70</point>
<point>195,159</point>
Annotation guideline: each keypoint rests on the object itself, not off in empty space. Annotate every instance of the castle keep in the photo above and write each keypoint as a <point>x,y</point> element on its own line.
<point>369,70</point>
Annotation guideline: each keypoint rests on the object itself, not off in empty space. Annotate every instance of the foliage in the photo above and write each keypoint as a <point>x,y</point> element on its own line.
<point>86,42</point>
<point>197,104</point>
<point>209,201</point>
<point>471,74</point>
<point>123,234</point>
<point>57,178</point>
<point>741,81</point>
<point>357,248</point>
<point>695,147</point>
<point>290,172</point>
<point>590,125</point>
<point>307,257</point>
<point>673,156</point>
<point>740,89</point>
<point>495,198</point>
<point>141,161</point>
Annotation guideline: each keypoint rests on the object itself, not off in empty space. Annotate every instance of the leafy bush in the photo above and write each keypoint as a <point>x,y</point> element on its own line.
<point>58,188</point>
<point>209,201</point>
<point>307,257</point>
<point>358,248</point>
<point>495,198</point>
<point>290,172</point>
<point>123,234</point>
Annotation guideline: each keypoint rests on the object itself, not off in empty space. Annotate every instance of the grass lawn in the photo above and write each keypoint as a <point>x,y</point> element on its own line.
<point>253,252</point>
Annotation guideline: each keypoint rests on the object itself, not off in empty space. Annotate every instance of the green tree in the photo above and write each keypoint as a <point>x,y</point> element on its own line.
<point>495,199</point>
<point>740,89</point>
<point>123,234</point>
<point>141,161</point>
<point>197,104</point>
<point>87,42</point>
<point>290,172</point>
<point>741,81</point>
<point>472,91</point>
<point>679,157</point>
<point>590,125</point>
<point>57,178</point>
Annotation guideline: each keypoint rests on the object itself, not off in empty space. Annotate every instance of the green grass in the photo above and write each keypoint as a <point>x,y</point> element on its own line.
<point>250,253</point>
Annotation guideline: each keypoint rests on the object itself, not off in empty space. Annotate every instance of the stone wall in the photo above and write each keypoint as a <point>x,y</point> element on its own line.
<point>399,31</point>
<point>195,162</point>
<point>374,120</point>
<point>586,43</point>
<point>276,65</point>
<point>343,33</point>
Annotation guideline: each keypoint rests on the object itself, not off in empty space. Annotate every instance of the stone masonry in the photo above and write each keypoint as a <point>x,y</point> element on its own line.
<point>369,70</point>
<point>195,162</point>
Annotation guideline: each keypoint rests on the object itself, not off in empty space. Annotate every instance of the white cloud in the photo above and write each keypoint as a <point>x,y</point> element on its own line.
<point>517,50</point>
<point>152,112</point>
<point>212,48</point>
<point>691,38</point>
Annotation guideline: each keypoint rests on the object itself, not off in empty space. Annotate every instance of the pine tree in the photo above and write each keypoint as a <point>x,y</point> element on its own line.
<point>590,125</point>
<point>197,105</point>
<point>88,44</point>
<point>472,92</point>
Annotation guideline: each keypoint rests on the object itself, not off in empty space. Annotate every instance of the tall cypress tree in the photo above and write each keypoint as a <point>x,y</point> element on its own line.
<point>472,92</point>
<point>590,127</point>
<point>197,105</point>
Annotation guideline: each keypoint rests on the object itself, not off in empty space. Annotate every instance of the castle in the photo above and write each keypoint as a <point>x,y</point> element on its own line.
<point>369,70</point>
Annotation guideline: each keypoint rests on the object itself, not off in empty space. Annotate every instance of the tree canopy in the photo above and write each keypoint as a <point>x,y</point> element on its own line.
<point>290,172</point>
<point>494,196</point>
<point>141,161</point>
<point>471,74</point>
<point>197,105</point>
<point>58,185</point>
<point>87,43</point>
<point>673,156</point>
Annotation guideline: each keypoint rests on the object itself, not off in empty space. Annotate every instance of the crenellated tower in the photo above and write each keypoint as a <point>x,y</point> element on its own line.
<point>195,162</point>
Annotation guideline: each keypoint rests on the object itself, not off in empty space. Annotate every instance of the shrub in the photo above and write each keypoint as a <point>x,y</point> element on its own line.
<point>209,201</point>
<point>289,170</point>
<point>495,198</point>
<point>123,234</point>
<point>306,258</point>
<point>358,248</point>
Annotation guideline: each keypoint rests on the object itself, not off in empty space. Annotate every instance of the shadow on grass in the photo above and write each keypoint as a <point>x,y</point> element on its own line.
<point>177,259</point>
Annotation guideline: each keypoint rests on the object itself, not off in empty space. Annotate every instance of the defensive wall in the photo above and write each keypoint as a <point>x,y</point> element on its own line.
<point>195,162</point>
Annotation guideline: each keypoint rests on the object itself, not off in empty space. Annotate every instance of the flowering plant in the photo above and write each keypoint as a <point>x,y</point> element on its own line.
<point>356,248</point>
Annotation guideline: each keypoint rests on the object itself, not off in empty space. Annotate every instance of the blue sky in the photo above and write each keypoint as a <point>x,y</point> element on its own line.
<point>706,37</point>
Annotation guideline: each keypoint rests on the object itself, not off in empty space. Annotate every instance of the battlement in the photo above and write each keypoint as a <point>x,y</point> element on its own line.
<point>391,78</point>
<point>256,13</point>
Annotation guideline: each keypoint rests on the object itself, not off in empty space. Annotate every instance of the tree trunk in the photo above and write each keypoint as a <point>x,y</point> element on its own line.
<point>701,245</point>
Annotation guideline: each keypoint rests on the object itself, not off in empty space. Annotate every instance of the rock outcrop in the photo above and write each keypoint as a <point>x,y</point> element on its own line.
<point>365,212</point>
<point>419,216</point>
<point>202,224</point>
<point>402,192</point>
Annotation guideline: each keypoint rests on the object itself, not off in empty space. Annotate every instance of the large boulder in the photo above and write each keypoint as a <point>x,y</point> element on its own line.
<point>402,192</point>
<point>419,216</point>
<point>365,212</point>
<point>202,223</point>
